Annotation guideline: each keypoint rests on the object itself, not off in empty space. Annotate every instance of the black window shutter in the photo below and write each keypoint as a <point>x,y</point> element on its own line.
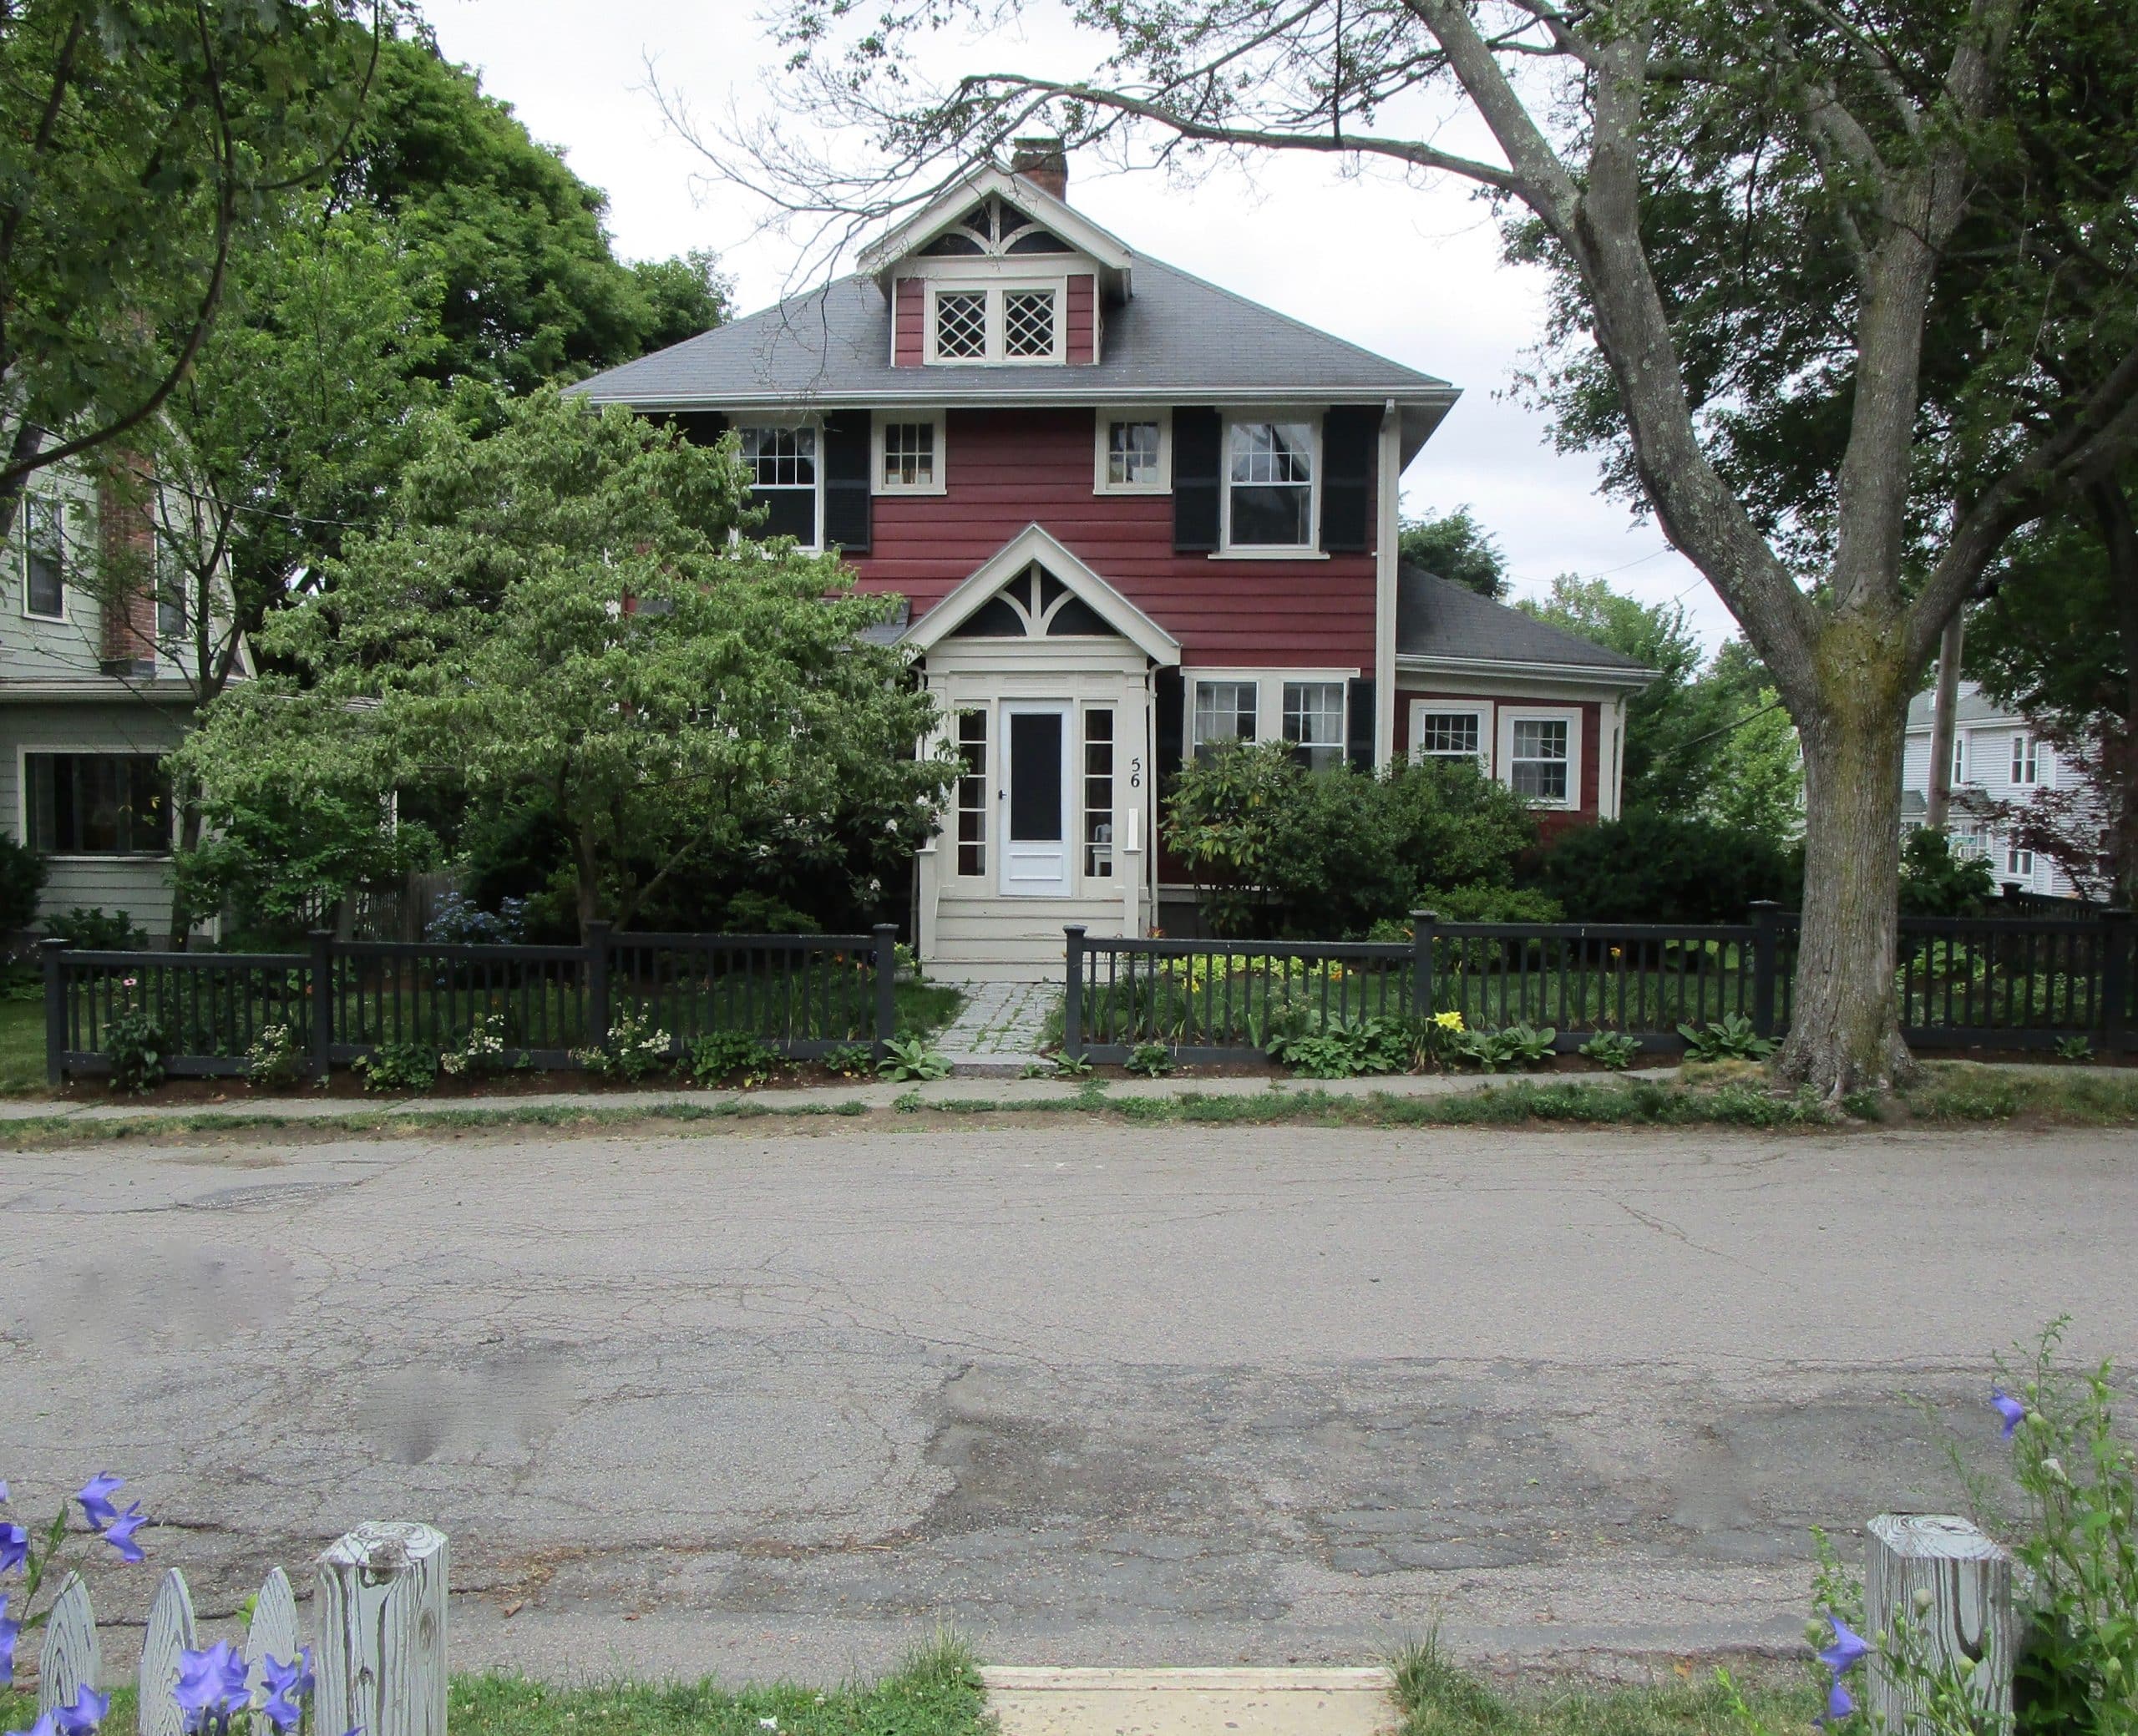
<point>1349,434</point>
<point>699,428</point>
<point>1359,725</point>
<point>846,481</point>
<point>1198,442</point>
<point>1170,722</point>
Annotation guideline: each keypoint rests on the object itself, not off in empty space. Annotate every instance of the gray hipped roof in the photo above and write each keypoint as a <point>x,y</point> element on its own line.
<point>1435,617</point>
<point>1178,339</point>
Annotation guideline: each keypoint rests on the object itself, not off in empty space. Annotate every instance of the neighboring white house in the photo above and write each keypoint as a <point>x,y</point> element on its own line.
<point>1998,757</point>
<point>90,701</point>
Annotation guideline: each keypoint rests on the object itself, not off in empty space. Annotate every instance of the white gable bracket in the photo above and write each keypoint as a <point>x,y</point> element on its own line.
<point>1032,545</point>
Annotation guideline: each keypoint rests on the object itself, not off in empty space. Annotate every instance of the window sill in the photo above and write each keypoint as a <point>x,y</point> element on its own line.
<point>1146,489</point>
<point>1268,554</point>
<point>886,492</point>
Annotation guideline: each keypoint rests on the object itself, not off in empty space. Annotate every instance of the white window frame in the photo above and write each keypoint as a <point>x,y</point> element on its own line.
<point>1503,750</point>
<point>1959,768</point>
<point>2026,759</point>
<point>786,422</point>
<point>886,419</point>
<point>993,289</point>
<point>1421,709</point>
<point>1269,686</point>
<point>1342,744</point>
<point>2013,855</point>
<point>58,504</point>
<point>1311,550</point>
<point>1101,437</point>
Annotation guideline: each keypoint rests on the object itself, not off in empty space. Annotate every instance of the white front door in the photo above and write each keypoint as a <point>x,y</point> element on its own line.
<point>1034,798</point>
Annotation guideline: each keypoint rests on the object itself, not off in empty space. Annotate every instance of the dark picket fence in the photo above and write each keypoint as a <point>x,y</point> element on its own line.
<point>1986,982</point>
<point>800,995</point>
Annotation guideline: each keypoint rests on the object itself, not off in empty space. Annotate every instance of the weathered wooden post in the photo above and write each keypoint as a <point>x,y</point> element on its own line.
<point>1951,1585</point>
<point>382,1654</point>
<point>73,1658</point>
<point>1072,992</point>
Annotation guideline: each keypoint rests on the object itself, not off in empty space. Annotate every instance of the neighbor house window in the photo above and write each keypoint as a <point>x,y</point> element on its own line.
<point>1971,842</point>
<point>44,558</point>
<point>1099,793</point>
<point>2019,863</point>
<point>2026,759</point>
<point>909,455</point>
<point>98,804</point>
<point>1450,735</point>
<point>171,595</point>
<point>1269,485</point>
<point>1313,722</point>
<point>1959,759</point>
<point>972,793</point>
<point>782,466</point>
<point>1134,454</point>
<point>1224,711</point>
<point>1537,767</point>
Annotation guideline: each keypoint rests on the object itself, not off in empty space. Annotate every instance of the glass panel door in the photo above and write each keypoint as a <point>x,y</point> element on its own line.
<point>1035,849</point>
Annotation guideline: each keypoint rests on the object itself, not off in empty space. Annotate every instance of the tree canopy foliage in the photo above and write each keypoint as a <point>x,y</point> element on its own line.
<point>556,609</point>
<point>1455,547</point>
<point>1848,284</point>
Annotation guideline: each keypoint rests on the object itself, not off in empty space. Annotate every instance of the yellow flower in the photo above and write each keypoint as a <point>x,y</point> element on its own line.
<point>1448,1021</point>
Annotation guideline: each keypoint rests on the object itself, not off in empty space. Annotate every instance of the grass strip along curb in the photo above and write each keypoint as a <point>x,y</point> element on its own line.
<point>1948,1095</point>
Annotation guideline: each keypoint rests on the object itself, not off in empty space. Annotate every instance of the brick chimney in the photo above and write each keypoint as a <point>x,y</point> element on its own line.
<point>1042,162</point>
<point>128,641</point>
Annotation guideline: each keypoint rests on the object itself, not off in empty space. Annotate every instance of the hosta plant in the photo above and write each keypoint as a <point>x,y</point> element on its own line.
<point>906,1058</point>
<point>1153,1061</point>
<point>1731,1037</point>
<point>1613,1051</point>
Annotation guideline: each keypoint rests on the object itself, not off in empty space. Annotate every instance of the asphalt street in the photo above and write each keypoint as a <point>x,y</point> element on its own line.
<point>1090,1393</point>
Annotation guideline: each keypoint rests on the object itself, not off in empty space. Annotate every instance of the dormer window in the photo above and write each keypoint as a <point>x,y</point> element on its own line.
<point>995,321</point>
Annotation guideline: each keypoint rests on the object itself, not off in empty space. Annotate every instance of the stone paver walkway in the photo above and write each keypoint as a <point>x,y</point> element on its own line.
<point>1190,1703</point>
<point>999,1029</point>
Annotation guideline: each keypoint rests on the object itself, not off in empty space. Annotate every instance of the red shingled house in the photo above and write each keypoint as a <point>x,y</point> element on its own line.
<point>1131,514</point>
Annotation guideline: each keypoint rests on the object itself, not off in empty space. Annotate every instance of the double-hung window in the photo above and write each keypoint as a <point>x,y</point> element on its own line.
<point>1313,722</point>
<point>1134,453</point>
<point>1539,760</point>
<point>44,558</point>
<point>2026,761</point>
<point>2018,863</point>
<point>97,804</point>
<point>1224,713</point>
<point>1449,735</point>
<point>909,455</point>
<point>1269,485</point>
<point>782,466</point>
<point>1959,759</point>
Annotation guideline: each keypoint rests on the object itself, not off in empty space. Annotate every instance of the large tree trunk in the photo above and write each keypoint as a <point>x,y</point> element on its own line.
<point>1844,1030</point>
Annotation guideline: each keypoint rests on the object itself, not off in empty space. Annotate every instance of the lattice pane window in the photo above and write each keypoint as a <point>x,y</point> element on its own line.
<point>972,793</point>
<point>1099,793</point>
<point>1313,722</point>
<point>1224,711</point>
<point>1538,764</point>
<point>781,457</point>
<point>1449,735</point>
<point>1028,322</point>
<point>961,325</point>
<point>1132,453</point>
<point>909,454</point>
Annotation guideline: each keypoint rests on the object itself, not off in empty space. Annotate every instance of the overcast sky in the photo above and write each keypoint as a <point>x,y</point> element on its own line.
<point>1411,273</point>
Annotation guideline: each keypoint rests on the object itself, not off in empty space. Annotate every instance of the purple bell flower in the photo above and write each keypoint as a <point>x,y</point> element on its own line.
<point>1848,1650</point>
<point>85,1715</point>
<point>14,1546</point>
<point>95,1497</point>
<point>211,1683</point>
<point>119,1533</point>
<point>9,1633</point>
<point>45,1726</point>
<point>288,1684</point>
<point>2010,1408</point>
<point>1839,1705</point>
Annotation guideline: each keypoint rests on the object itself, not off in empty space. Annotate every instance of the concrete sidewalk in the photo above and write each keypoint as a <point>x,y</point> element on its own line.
<point>1330,1702</point>
<point>871,1093</point>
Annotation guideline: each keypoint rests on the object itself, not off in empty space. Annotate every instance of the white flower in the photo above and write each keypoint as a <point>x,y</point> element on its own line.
<point>767,1724</point>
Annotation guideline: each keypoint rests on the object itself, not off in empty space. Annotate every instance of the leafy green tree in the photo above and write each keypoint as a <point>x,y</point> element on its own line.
<point>1650,867</point>
<point>1454,547</point>
<point>136,142</point>
<point>1847,288</point>
<point>558,609</point>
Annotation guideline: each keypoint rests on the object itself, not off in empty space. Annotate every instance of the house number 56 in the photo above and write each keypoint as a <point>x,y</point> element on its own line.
<point>1135,771</point>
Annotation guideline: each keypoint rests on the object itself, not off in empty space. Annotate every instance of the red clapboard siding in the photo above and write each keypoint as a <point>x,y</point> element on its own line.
<point>1083,318</point>
<point>1550,822</point>
<point>1007,468</point>
<point>906,331</point>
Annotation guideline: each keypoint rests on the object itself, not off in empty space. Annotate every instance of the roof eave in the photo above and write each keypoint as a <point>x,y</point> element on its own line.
<point>1437,399</point>
<point>883,255</point>
<point>1419,663</point>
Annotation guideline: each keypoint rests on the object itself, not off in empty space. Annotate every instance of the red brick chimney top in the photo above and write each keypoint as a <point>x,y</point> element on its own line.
<point>1044,162</point>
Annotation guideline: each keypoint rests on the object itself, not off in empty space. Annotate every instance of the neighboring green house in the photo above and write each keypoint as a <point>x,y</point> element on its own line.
<point>92,697</point>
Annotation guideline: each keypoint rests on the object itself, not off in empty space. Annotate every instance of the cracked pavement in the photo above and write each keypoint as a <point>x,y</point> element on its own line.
<point>783,1404</point>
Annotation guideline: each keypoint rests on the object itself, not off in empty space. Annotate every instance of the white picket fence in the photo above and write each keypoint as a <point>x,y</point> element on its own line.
<point>378,1650</point>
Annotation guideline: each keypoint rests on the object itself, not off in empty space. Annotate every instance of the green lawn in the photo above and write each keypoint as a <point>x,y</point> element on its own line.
<point>936,1693</point>
<point>923,1009</point>
<point>21,1047</point>
<point>1440,1698</point>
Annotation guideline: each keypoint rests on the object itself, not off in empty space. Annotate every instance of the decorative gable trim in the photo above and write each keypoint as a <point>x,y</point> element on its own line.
<point>945,211</point>
<point>1029,545</point>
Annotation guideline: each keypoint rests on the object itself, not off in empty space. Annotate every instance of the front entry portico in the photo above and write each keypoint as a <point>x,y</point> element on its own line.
<point>1043,671</point>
